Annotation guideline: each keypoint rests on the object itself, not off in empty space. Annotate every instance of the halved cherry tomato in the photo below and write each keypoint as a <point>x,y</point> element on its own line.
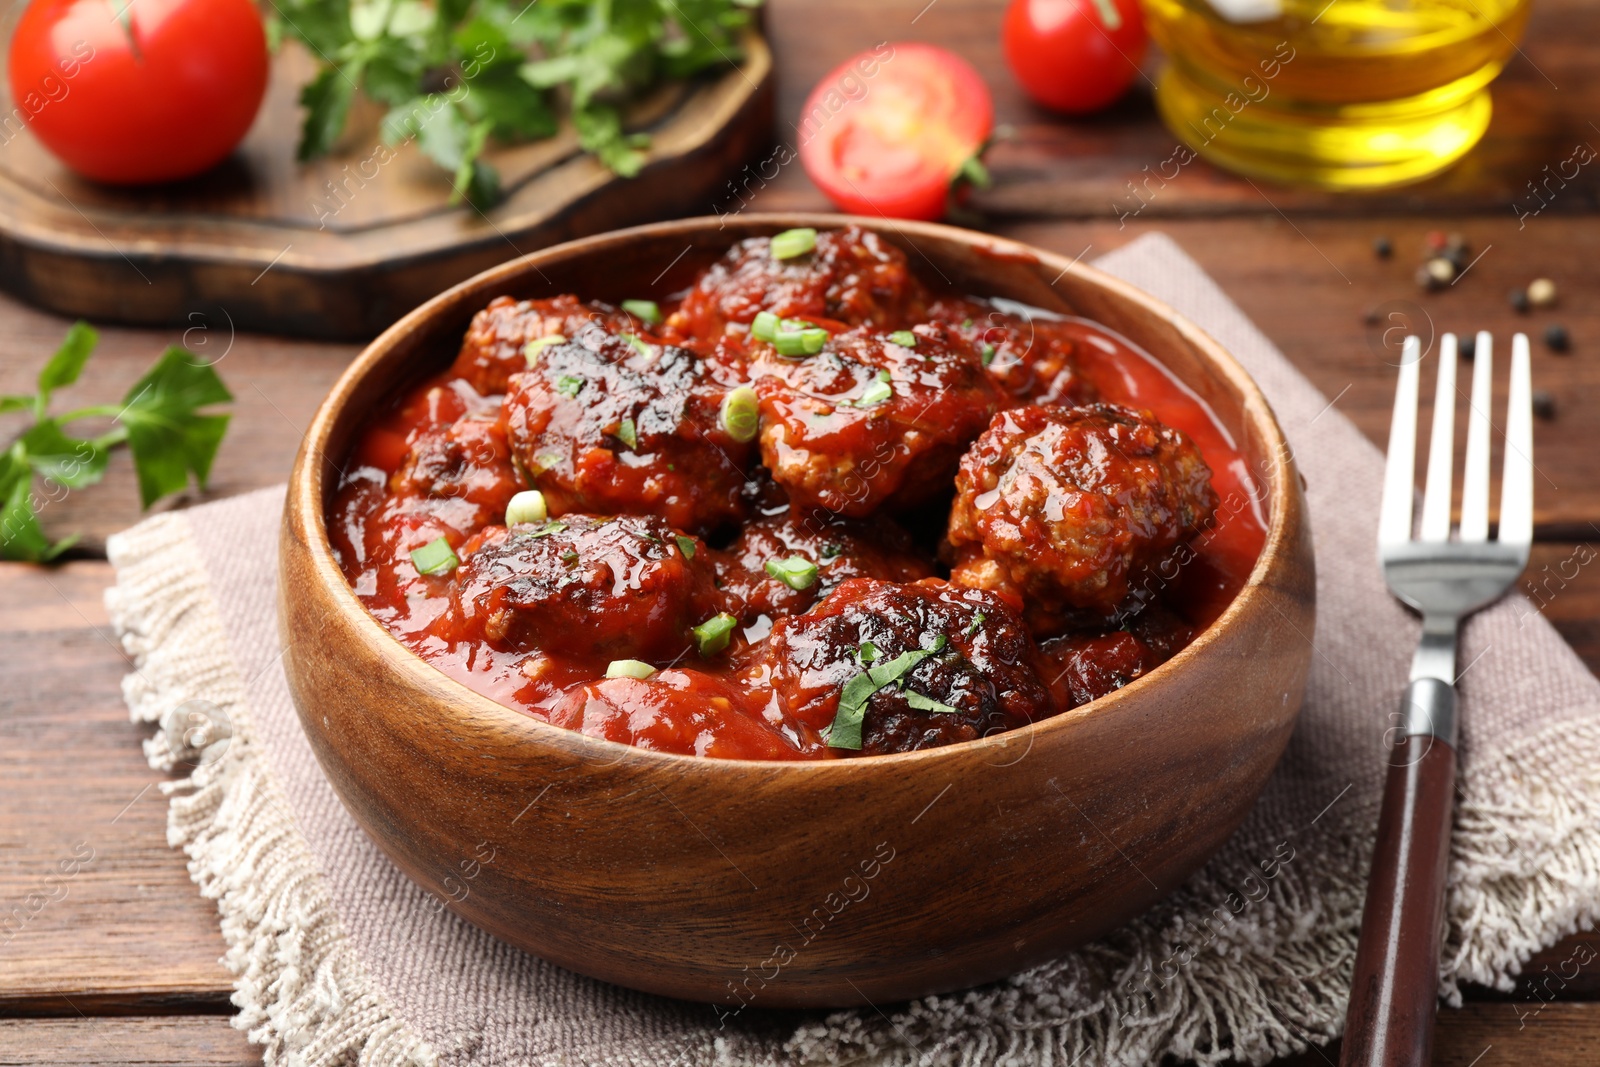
<point>1074,55</point>
<point>888,131</point>
<point>139,92</point>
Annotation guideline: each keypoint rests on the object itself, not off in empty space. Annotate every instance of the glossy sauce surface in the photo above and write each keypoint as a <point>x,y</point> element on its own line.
<point>662,520</point>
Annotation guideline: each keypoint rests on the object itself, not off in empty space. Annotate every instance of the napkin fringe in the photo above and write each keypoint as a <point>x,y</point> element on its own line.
<point>1264,978</point>
<point>302,992</point>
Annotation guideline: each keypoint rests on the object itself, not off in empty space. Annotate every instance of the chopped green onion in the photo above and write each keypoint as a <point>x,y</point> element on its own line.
<point>629,668</point>
<point>569,557</point>
<point>435,557</point>
<point>845,731</point>
<point>546,530</point>
<point>741,413</point>
<point>638,345</point>
<point>567,385</point>
<point>527,506</point>
<point>712,635</point>
<point>988,353</point>
<point>904,338</point>
<point>806,342</point>
<point>686,546</point>
<point>832,550</point>
<point>796,572</point>
<point>546,460</point>
<point>628,434</point>
<point>977,621</point>
<point>791,243</point>
<point>764,327</point>
<point>532,349</point>
<point>648,310</point>
<point>877,392</point>
<point>966,324</point>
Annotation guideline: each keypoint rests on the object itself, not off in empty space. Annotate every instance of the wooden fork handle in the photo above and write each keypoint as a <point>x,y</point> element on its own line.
<point>1394,994</point>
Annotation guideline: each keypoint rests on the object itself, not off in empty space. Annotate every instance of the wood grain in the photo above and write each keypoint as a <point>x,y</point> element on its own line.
<point>190,1040</point>
<point>1047,165</point>
<point>97,914</point>
<point>342,246</point>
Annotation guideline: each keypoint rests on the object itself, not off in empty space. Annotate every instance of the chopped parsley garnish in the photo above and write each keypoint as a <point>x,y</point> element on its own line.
<point>628,434</point>
<point>832,550</point>
<point>686,546</point>
<point>845,731</point>
<point>567,385</point>
<point>648,310</point>
<point>435,557</point>
<point>713,635</point>
<point>544,531</point>
<point>794,572</point>
<point>569,557</point>
<point>904,338</point>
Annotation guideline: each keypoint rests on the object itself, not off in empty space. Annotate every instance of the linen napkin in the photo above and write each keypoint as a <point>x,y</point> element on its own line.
<point>339,958</point>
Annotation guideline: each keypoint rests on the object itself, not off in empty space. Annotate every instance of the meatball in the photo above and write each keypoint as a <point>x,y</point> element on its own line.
<point>496,343</point>
<point>1068,506</point>
<point>872,419</point>
<point>603,424</point>
<point>839,549</point>
<point>1084,667</point>
<point>1034,358</point>
<point>941,664</point>
<point>468,459</point>
<point>683,711</point>
<point>852,276</point>
<point>619,588</point>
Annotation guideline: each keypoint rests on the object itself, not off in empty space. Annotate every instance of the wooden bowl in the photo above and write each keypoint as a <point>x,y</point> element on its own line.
<point>821,883</point>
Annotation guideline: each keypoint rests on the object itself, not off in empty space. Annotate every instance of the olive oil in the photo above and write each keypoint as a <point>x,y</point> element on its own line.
<point>1342,94</point>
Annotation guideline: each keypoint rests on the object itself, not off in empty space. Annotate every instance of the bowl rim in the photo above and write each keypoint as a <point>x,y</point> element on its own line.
<point>305,515</point>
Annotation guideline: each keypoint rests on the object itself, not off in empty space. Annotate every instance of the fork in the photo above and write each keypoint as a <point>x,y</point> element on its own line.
<point>1394,993</point>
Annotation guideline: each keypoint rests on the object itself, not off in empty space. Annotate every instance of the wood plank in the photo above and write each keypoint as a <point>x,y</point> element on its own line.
<point>83,823</point>
<point>190,1040</point>
<point>1499,1035</point>
<point>1050,165</point>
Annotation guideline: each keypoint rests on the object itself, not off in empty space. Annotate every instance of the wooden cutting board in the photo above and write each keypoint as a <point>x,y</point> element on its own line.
<point>341,247</point>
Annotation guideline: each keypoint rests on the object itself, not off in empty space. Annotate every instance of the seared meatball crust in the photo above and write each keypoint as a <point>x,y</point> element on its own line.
<point>852,277</point>
<point>840,549</point>
<point>497,341</point>
<point>618,588</point>
<point>981,666</point>
<point>1066,507</point>
<point>872,422</point>
<point>615,425</point>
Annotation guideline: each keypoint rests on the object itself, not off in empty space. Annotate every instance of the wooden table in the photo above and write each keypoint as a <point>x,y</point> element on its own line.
<point>124,968</point>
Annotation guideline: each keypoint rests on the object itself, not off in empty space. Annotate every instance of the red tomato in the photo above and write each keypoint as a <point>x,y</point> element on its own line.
<point>887,131</point>
<point>1074,55</point>
<point>164,91</point>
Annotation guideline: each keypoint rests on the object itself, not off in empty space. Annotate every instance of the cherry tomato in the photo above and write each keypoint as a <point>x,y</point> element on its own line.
<point>887,132</point>
<point>1074,55</point>
<point>149,91</point>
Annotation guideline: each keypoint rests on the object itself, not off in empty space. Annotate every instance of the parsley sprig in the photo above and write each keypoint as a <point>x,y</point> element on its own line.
<point>845,731</point>
<point>457,74</point>
<point>158,419</point>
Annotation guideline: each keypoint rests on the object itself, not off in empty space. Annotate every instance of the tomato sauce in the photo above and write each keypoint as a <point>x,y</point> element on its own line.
<point>740,545</point>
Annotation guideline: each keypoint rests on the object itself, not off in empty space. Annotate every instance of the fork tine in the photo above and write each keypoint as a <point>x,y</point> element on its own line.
<point>1475,480</point>
<point>1516,477</point>
<point>1441,448</point>
<point>1399,472</point>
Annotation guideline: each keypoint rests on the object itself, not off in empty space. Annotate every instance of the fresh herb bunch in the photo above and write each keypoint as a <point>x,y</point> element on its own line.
<point>158,420</point>
<point>456,73</point>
